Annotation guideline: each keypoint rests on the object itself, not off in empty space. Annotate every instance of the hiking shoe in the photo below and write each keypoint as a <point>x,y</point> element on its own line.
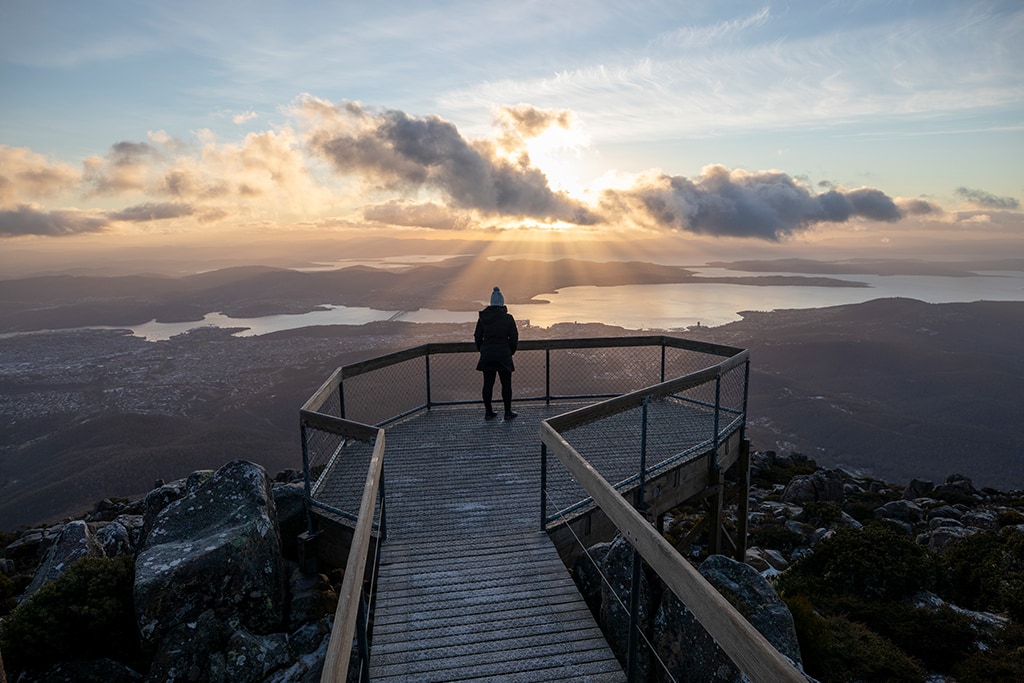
<point>490,416</point>
<point>511,415</point>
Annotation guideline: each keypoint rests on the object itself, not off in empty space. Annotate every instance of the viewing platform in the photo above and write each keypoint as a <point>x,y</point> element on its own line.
<point>457,532</point>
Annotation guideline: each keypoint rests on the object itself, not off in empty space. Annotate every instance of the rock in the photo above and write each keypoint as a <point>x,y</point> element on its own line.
<point>756,600</point>
<point>956,484</point>
<point>775,559</point>
<point>307,638</point>
<point>249,658</point>
<point>216,548</point>
<point>936,522</point>
<point>901,510</point>
<point>312,597</point>
<point>821,485</point>
<point>74,542</point>
<point>756,559</point>
<point>942,538</point>
<point>617,568</point>
<point>917,488</point>
<point>307,669</point>
<point>115,540</point>
<point>135,525</point>
<point>945,511</point>
<point>981,518</point>
<point>104,511</point>
<point>587,573</point>
<point>159,498</point>
<point>8,567</point>
<point>687,649</point>
<point>186,652</point>
<point>845,520</point>
<point>288,476</point>
<point>290,501</point>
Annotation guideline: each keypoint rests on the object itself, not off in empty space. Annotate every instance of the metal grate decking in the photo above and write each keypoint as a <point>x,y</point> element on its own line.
<point>469,588</point>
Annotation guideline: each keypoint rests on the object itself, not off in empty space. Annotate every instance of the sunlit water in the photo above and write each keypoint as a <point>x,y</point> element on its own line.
<point>642,307</point>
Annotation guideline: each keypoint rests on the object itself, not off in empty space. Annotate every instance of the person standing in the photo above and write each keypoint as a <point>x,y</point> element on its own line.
<point>496,339</point>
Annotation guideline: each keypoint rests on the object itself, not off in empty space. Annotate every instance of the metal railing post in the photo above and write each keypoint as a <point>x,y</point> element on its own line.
<point>746,388</point>
<point>663,360</point>
<point>547,376</point>
<point>713,456</point>
<point>305,477</point>
<point>426,358</point>
<point>634,617</point>
<point>341,399</point>
<point>634,589</point>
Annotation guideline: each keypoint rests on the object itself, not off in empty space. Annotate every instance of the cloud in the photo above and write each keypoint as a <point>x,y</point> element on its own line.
<point>527,121</point>
<point>239,119</point>
<point>917,207</point>
<point>24,174</point>
<point>123,170</point>
<point>428,215</point>
<point>32,220</point>
<point>767,204</point>
<point>410,154</point>
<point>151,212</point>
<point>986,200</point>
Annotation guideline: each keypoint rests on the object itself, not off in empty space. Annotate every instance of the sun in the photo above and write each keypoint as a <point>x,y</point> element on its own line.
<point>557,152</point>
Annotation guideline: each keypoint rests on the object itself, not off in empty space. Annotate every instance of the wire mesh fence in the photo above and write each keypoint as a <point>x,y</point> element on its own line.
<point>680,422</point>
<point>385,389</point>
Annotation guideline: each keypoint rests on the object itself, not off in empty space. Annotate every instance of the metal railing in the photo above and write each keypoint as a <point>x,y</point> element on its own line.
<point>342,429</point>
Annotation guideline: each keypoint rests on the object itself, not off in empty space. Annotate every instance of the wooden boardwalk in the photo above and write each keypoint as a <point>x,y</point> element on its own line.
<point>469,587</point>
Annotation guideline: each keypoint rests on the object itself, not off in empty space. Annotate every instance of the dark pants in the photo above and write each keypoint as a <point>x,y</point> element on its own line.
<point>506,388</point>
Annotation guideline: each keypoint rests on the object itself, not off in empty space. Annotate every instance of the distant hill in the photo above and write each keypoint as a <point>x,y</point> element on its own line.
<point>895,387</point>
<point>459,284</point>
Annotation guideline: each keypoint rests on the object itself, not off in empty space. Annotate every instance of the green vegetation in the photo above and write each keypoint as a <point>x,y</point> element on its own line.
<point>837,649</point>
<point>86,613</point>
<point>986,572</point>
<point>852,607</point>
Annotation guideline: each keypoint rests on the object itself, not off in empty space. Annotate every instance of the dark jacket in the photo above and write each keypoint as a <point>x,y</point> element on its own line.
<point>496,338</point>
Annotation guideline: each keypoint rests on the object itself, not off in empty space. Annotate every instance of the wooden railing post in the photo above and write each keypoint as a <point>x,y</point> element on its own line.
<point>715,511</point>
<point>742,500</point>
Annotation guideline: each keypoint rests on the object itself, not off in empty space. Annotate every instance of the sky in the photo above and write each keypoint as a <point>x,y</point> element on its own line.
<point>888,127</point>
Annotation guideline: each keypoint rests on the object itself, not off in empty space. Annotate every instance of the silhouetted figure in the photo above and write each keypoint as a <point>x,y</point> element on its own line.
<point>496,339</point>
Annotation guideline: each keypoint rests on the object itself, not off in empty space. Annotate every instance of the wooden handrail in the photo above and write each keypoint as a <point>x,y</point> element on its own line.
<point>338,425</point>
<point>748,649</point>
<point>339,648</point>
<point>438,348</point>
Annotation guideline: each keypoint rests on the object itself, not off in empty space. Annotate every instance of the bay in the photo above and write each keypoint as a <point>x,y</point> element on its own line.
<point>646,307</point>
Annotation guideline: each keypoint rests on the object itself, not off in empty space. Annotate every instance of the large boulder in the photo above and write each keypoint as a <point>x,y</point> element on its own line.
<point>74,542</point>
<point>216,548</point>
<point>587,573</point>
<point>825,485</point>
<point>687,649</point>
<point>617,569</point>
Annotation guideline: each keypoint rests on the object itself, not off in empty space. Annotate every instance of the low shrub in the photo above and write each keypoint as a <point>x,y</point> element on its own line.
<point>877,562</point>
<point>775,535</point>
<point>1002,659</point>
<point>820,513</point>
<point>86,613</point>
<point>835,649</point>
<point>986,572</point>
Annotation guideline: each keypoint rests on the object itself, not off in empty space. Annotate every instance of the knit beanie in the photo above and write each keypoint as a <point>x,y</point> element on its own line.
<point>497,298</point>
